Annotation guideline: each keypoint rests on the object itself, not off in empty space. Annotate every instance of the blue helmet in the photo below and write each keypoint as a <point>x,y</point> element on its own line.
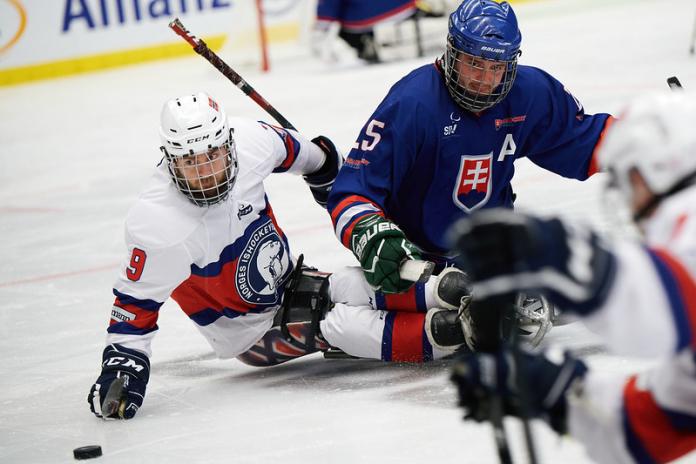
<point>482,49</point>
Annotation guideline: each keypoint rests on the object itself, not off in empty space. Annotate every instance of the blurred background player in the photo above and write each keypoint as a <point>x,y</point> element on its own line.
<point>443,142</point>
<point>204,234</point>
<point>355,20</point>
<point>641,297</point>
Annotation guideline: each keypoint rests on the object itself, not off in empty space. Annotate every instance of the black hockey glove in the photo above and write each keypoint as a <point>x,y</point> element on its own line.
<point>321,181</point>
<point>505,252</point>
<point>487,322</point>
<point>483,378</point>
<point>381,247</point>
<point>120,389</point>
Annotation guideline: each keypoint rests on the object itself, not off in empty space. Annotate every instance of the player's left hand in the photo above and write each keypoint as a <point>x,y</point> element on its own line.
<point>321,181</point>
<point>506,252</point>
<point>483,378</point>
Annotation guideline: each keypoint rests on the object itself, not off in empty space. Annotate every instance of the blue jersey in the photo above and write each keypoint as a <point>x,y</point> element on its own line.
<point>359,15</point>
<point>424,162</point>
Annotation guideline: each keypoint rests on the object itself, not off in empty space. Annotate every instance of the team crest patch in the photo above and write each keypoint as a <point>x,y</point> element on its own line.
<point>473,187</point>
<point>262,266</point>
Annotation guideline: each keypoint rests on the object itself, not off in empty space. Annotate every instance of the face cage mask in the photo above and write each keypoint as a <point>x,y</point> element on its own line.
<point>469,96</point>
<point>535,317</point>
<point>617,199</point>
<point>616,211</point>
<point>211,191</point>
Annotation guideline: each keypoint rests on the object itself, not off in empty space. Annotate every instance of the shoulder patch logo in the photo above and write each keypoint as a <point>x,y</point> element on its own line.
<point>355,164</point>
<point>244,209</point>
<point>450,129</point>
<point>507,122</point>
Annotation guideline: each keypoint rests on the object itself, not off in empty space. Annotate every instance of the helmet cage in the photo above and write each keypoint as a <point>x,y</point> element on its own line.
<point>474,93</point>
<point>535,317</point>
<point>215,184</point>
<point>654,137</point>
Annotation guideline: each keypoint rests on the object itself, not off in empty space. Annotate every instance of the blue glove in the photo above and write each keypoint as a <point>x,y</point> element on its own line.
<point>486,377</point>
<point>506,252</point>
<point>321,181</point>
<point>119,391</point>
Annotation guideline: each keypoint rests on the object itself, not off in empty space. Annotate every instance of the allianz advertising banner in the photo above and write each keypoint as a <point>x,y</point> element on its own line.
<point>46,38</point>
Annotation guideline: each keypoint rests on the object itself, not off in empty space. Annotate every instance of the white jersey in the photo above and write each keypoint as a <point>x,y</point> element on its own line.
<point>651,311</point>
<point>226,264</point>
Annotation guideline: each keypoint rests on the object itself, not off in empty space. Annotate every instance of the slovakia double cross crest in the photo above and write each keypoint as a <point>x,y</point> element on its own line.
<point>473,187</point>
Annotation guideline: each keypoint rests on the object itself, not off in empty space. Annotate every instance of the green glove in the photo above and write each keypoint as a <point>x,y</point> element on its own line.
<point>381,247</point>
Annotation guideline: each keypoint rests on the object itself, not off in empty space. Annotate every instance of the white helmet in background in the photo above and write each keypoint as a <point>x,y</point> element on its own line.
<point>655,136</point>
<point>198,145</point>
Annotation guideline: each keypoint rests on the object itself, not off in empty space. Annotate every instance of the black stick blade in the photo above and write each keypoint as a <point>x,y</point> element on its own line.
<point>674,83</point>
<point>113,399</point>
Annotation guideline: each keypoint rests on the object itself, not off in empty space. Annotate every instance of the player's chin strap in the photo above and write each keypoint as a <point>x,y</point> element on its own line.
<point>646,210</point>
<point>307,300</point>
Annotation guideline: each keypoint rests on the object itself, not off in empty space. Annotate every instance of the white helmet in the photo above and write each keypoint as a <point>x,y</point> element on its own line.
<point>656,137</point>
<point>199,148</point>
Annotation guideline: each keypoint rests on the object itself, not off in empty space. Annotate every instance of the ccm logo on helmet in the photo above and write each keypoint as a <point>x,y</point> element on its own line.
<point>198,139</point>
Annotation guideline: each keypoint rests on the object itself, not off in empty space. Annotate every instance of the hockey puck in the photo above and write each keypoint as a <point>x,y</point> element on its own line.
<point>87,452</point>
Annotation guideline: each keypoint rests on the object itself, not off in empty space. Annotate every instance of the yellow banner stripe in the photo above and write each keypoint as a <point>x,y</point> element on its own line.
<point>12,76</point>
<point>99,61</point>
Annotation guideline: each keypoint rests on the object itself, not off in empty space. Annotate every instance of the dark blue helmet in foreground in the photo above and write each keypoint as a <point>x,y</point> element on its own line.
<point>482,49</point>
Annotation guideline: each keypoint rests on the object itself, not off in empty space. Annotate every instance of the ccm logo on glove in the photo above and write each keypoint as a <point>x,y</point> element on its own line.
<point>123,362</point>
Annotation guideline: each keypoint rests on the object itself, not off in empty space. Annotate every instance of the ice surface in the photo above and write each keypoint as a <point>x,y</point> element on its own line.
<point>76,151</point>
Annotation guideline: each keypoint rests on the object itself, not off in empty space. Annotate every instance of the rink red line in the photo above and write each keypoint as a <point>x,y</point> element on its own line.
<point>63,275</point>
<point>57,276</point>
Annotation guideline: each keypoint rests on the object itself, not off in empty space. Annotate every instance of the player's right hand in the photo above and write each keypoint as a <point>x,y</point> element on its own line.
<point>381,247</point>
<point>321,181</point>
<point>119,391</point>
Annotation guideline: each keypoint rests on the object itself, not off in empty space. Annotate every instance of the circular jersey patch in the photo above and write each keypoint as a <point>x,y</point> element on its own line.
<point>263,266</point>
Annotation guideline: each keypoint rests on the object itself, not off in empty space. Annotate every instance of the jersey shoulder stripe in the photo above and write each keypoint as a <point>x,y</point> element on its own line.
<point>681,292</point>
<point>131,315</point>
<point>348,212</point>
<point>292,147</point>
<point>650,434</point>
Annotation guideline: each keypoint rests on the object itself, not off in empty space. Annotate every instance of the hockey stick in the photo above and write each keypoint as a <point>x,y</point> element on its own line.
<point>114,401</point>
<point>692,49</point>
<point>415,270</point>
<point>508,326</point>
<point>499,435</point>
<point>523,389</point>
<point>674,84</point>
<point>200,47</point>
